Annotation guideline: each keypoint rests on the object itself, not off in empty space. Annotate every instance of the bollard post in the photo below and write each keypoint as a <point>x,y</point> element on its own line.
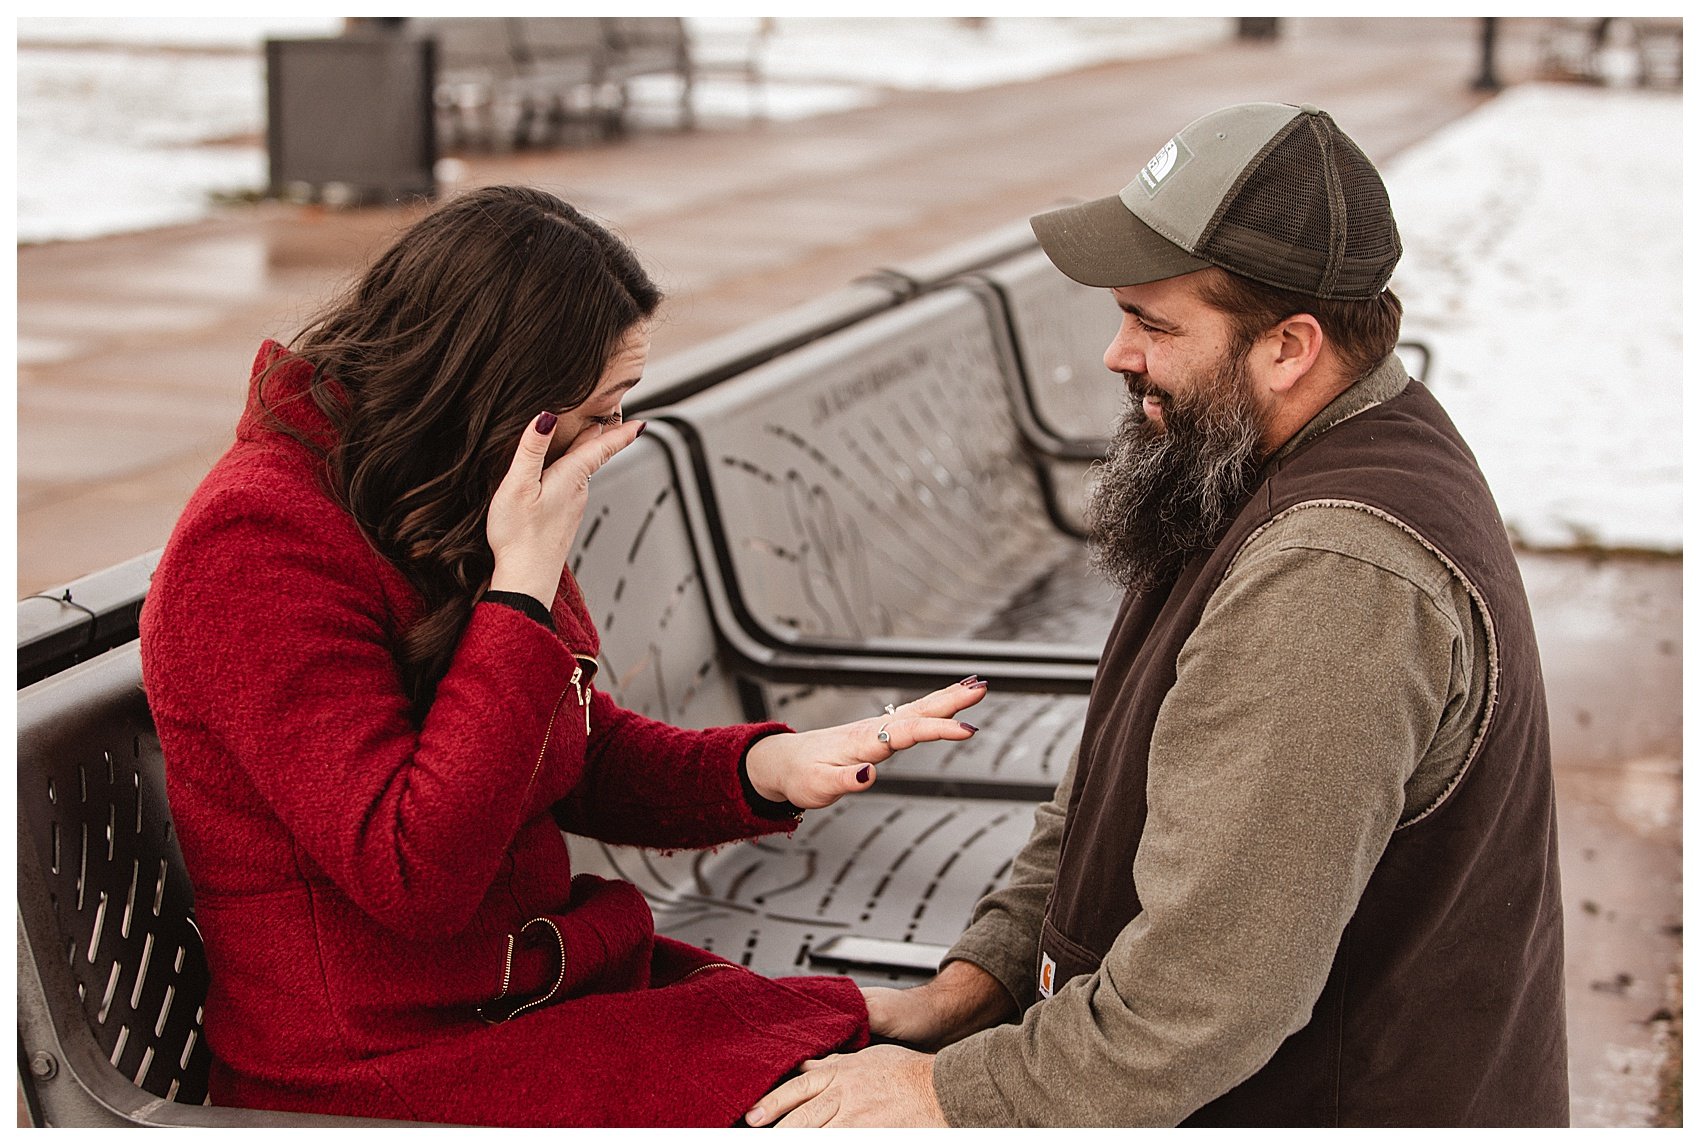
<point>1486,80</point>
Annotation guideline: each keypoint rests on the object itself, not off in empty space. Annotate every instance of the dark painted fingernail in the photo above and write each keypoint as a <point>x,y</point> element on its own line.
<point>967,683</point>
<point>979,683</point>
<point>642,425</point>
<point>545,422</point>
<point>862,776</point>
<point>969,726</point>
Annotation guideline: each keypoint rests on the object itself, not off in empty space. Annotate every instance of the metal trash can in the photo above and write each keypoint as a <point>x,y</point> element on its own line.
<point>349,120</point>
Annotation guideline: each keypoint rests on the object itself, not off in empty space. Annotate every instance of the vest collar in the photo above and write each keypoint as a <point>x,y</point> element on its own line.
<point>1384,383</point>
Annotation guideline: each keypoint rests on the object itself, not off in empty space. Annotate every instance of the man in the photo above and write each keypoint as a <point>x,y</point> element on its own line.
<point>1304,868</point>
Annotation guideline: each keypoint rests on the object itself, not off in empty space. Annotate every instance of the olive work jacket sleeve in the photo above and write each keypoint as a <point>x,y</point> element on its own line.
<point>1332,689</point>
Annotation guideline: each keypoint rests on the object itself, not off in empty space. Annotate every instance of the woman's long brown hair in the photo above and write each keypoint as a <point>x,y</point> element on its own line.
<point>502,303</point>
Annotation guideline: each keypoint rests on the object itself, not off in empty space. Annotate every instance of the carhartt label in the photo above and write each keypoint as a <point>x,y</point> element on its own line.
<point>1047,975</point>
<point>1165,163</point>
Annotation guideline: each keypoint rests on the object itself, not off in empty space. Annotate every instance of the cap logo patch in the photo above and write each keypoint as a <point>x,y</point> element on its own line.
<point>1165,163</point>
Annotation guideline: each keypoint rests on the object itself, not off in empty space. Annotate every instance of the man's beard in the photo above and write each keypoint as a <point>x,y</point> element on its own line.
<point>1164,492</point>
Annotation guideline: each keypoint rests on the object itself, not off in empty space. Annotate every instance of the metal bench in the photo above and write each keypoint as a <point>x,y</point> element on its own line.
<point>673,647</point>
<point>505,81</point>
<point>71,623</point>
<point>645,46</point>
<point>111,975</point>
<point>563,64</point>
<point>111,971</point>
<point>480,95</point>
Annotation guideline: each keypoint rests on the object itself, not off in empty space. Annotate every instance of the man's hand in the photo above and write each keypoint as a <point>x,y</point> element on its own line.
<point>960,1000</point>
<point>879,1086</point>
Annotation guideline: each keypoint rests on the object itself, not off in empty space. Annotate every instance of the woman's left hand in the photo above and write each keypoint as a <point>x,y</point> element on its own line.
<point>813,769</point>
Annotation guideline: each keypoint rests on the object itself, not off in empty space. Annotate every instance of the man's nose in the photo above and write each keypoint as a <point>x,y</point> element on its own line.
<point>1125,355</point>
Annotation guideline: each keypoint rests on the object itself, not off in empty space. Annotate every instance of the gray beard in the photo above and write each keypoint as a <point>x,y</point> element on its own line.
<point>1163,494</point>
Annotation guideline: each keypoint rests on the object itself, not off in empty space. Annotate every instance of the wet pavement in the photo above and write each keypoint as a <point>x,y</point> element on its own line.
<point>1611,648</point>
<point>133,355</point>
<point>133,350</point>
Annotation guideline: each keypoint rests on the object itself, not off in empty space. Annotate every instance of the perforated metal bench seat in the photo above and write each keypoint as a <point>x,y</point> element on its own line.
<point>905,870</point>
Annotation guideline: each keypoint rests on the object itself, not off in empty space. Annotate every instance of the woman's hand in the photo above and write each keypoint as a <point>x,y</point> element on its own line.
<point>812,769</point>
<point>536,512</point>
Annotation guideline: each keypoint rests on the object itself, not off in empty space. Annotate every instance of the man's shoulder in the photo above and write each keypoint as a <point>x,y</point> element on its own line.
<point>1356,531</point>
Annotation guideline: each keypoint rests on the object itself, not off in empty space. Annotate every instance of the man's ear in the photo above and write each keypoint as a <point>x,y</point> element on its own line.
<point>1297,343</point>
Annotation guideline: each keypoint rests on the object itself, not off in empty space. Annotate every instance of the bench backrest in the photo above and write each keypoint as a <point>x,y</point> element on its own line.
<point>95,831</point>
<point>1060,330</point>
<point>873,483</point>
<point>472,44</point>
<point>667,33</point>
<point>553,37</point>
<point>636,562</point>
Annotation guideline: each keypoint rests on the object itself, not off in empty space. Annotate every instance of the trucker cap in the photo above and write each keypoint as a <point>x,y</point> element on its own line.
<point>1272,191</point>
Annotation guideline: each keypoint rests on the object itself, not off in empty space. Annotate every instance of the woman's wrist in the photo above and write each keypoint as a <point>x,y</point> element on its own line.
<point>537,584</point>
<point>763,763</point>
<point>766,757</point>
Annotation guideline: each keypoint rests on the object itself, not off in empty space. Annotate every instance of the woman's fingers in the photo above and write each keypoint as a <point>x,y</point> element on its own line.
<point>527,465</point>
<point>855,770</point>
<point>594,448</point>
<point>538,507</point>
<point>855,778</point>
<point>903,732</point>
<point>946,702</point>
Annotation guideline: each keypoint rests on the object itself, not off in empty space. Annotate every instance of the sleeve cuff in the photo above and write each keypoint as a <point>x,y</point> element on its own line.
<point>765,808</point>
<point>525,603</point>
<point>1004,956</point>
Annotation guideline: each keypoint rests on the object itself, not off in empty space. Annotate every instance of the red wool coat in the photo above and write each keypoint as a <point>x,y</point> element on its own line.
<point>390,919</point>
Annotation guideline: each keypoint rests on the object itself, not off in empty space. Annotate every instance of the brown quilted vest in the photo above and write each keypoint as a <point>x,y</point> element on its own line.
<point>1445,1001</point>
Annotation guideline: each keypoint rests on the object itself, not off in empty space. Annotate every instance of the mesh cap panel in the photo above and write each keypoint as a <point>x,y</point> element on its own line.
<point>1309,214</point>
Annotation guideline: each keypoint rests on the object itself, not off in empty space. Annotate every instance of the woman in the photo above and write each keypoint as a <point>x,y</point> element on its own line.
<point>375,686</point>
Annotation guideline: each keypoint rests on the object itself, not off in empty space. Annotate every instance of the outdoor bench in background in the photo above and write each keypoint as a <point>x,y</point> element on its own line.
<point>505,81</point>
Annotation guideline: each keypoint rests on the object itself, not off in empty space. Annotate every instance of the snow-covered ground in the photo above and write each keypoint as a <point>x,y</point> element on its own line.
<point>1543,233</point>
<point>1543,263</point>
<point>129,123</point>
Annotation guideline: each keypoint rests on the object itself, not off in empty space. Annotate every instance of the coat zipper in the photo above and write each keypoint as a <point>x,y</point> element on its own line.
<point>583,687</point>
<point>560,978</point>
<point>507,970</point>
<point>578,685</point>
<point>547,732</point>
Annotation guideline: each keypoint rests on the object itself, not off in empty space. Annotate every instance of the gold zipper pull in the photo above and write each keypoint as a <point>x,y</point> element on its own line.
<point>583,695</point>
